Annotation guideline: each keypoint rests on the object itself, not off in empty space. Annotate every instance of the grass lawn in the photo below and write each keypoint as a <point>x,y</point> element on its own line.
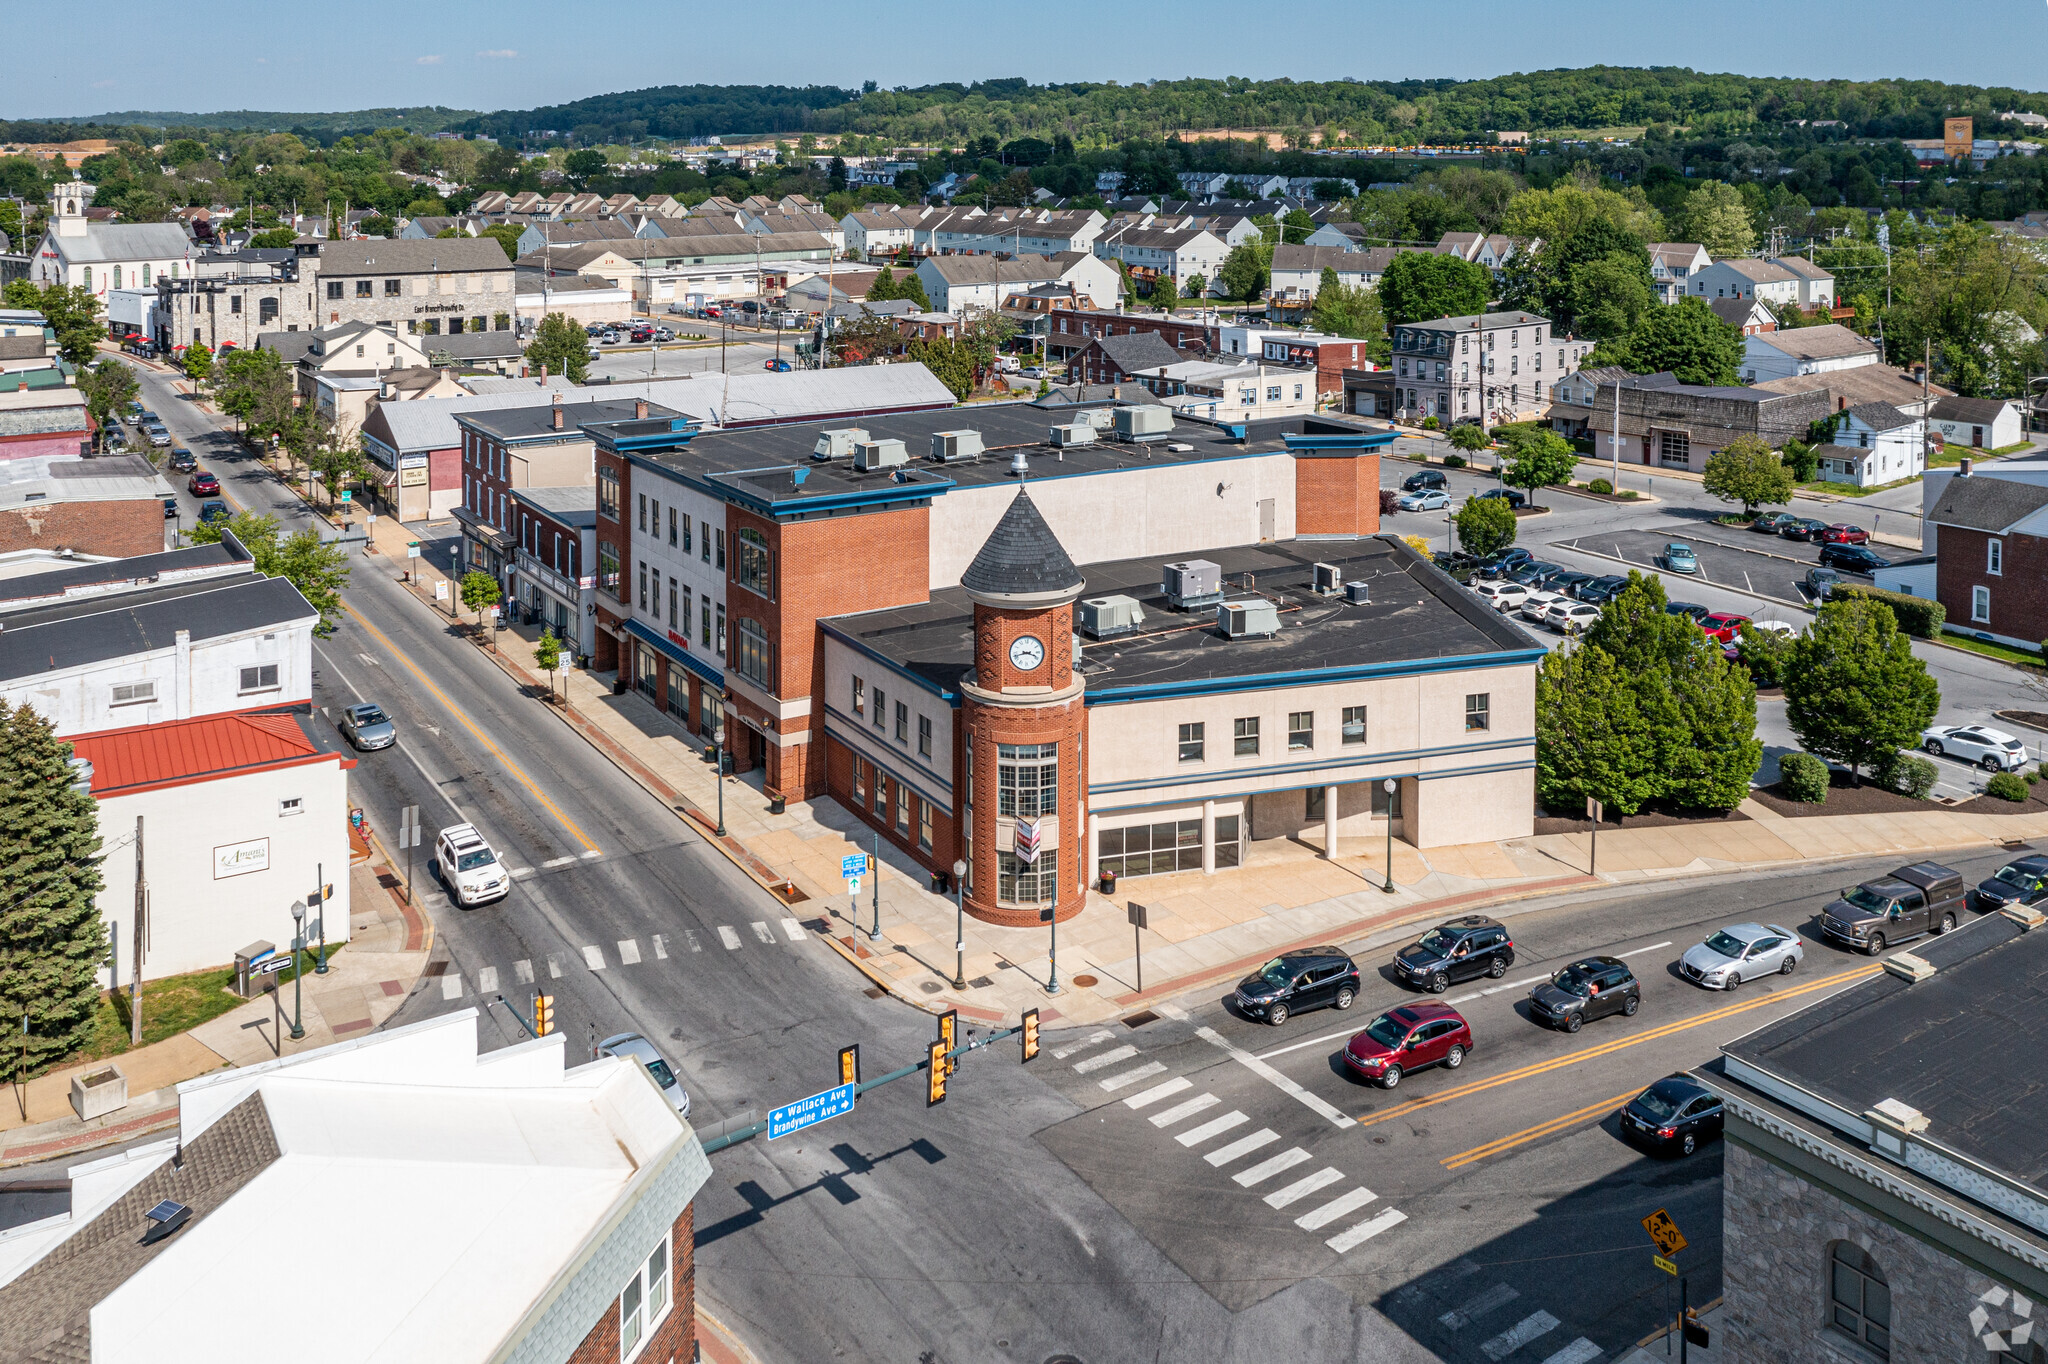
<point>2004,653</point>
<point>170,1006</point>
<point>1952,455</point>
<point>1851,490</point>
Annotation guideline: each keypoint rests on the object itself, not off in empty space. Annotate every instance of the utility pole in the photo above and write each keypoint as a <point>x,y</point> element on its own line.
<point>1616,450</point>
<point>135,957</point>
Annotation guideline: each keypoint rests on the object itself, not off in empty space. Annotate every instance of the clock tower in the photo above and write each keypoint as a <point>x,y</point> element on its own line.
<point>1023,728</point>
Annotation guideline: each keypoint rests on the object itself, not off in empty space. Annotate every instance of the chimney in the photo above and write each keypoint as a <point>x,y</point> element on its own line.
<point>1963,469</point>
<point>543,375</point>
<point>558,412</point>
<point>640,409</point>
<point>1841,403</point>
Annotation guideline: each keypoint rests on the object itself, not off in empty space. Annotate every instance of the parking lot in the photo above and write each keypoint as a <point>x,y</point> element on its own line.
<point>1774,569</point>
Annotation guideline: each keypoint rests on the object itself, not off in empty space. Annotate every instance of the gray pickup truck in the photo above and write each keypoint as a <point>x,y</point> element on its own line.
<point>1924,897</point>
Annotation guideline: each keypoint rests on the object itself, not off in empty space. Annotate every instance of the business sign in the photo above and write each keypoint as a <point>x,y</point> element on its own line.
<point>239,859</point>
<point>412,478</point>
<point>1956,136</point>
<point>827,1103</point>
<point>418,461</point>
<point>680,641</point>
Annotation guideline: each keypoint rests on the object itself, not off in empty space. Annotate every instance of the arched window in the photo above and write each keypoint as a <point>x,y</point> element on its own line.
<point>117,277</point>
<point>88,277</point>
<point>752,569</point>
<point>1859,1299</point>
<point>752,656</point>
<point>71,207</point>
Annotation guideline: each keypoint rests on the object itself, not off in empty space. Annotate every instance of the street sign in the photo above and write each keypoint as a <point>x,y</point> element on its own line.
<point>347,496</point>
<point>853,865</point>
<point>1137,915</point>
<point>1593,809</point>
<point>1664,1232</point>
<point>826,1103</point>
<point>1664,1264</point>
<point>276,961</point>
<point>412,550</point>
<point>853,885</point>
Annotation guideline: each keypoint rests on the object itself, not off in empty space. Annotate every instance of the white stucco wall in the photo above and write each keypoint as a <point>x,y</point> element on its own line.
<point>930,777</point>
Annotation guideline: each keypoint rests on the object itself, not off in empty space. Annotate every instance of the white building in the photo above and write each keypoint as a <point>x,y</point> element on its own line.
<point>1874,444</point>
<point>881,232</point>
<point>1980,423</point>
<point>1782,353</point>
<point>1223,392</point>
<point>1672,264</point>
<point>959,284</point>
<point>104,256</point>
<point>1787,279</point>
<point>1152,253</point>
<point>1298,270</point>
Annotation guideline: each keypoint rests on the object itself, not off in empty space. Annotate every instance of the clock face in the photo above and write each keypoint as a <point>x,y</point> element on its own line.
<point>1026,653</point>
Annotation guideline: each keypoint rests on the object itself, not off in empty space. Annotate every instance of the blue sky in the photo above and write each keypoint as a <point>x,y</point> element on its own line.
<point>206,55</point>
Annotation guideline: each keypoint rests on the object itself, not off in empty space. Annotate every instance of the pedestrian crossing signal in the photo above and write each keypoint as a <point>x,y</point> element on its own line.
<point>935,1073</point>
<point>949,1034</point>
<point>1030,1031</point>
<point>543,1015</point>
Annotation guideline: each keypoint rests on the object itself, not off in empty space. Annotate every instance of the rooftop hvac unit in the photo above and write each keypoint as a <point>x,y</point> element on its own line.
<point>879,454</point>
<point>1149,422</point>
<point>1080,433</point>
<point>1191,583</point>
<point>1106,617</point>
<point>1101,418</point>
<point>951,445</point>
<point>839,443</point>
<point>1327,580</point>
<point>1255,618</point>
<point>1357,592</point>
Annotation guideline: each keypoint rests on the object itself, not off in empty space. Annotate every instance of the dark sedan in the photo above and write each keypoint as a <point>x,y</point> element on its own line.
<point>183,461</point>
<point>1770,523</point>
<point>1568,584</point>
<point>1535,573</point>
<point>1691,610</point>
<point>1586,990</point>
<point>213,510</point>
<point>1675,1114</point>
<point>1515,500</point>
<point>1502,562</point>
<point>1802,528</point>
<point>2023,881</point>
<point>1853,558</point>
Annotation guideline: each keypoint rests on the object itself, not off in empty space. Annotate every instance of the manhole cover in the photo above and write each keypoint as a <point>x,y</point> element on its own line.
<point>1085,982</point>
<point>931,987</point>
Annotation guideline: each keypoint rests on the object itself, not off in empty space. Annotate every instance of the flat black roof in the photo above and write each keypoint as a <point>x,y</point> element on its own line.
<point>1968,1046</point>
<point>1417,619</point>
<point>140,568</point>
<point>67,635</point>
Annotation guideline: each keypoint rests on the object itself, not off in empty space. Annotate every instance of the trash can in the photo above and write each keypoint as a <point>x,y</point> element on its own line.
<point>1108,881</point>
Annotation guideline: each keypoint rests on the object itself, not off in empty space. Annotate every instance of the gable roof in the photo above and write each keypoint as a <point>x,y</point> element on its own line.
<point>1879,416</point>
<point>1831,341</point>
<point>73,634</point>
<point>1316,259</point>
<point>1858,384</point>
<point>971,270</point>
<point>122,241</point>
<point>1982,411</point>
<point>1799,265</point>
<point>1737,312</point>
<point>1986,502</point>
<point>1758,271</point>
<point>1138,352</point>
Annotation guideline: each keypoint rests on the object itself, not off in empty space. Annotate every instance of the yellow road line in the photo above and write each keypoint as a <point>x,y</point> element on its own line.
<point>1542,1129</point>
<point>1840,978</point>
<point>471,726</point>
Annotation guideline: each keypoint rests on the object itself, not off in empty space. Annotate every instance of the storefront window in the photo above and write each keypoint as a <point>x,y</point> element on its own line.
<point>751,658</point>
<point>644,678</point>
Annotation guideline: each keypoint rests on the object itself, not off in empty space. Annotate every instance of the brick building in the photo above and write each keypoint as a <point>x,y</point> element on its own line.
<point>1070,332</point>
<point>110,507</point>
<point>1327,356</point>
<point>877,614</point>
<point>1989,536</point>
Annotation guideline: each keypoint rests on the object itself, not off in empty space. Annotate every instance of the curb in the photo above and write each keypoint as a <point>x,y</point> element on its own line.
<point>86,1141</point>
<point>720,1344</point>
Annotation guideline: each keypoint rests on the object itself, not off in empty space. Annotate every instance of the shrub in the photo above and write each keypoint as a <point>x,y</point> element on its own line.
<point>1601,486</point>
<point>1629,493</point>
<point>1803,777</point>
<point>1390,502</point>
<point>2031,777</point>
<point>1908,774</point>
<point>1920,616</point>
<point>1454,461</point>
<point>1431,424</point>
<point>2006,786</point>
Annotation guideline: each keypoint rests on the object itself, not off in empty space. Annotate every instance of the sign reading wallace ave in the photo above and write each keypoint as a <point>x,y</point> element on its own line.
<point>826,1103</point>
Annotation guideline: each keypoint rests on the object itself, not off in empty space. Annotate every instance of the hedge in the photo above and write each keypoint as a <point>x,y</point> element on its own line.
<point>1803,777</point>
<point>2006,786</point>
<point>1921,616</point>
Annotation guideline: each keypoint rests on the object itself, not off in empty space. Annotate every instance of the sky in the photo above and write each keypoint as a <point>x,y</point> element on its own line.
<point>201,56</point>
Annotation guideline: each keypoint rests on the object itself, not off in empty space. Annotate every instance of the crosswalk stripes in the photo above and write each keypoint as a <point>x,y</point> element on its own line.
<point>793,930</point>
<point>660,948</point>
<point>522,971</point>
<point>1243,1146</point>
<point>1532,1327</point>
<point>487,980</point>
<point>1334,1209</point>
<point>1124,1079</point>
<point>690,937</point>
<point>1580,1351</point>
<point>593,956</point>
<point>1372,1226</point>
<point>451,986</point>
<point>1158,1092</point>
<point>554,862</point>
<point>1093,1039</point>
<point>1302,1188</point>
<point>1214,1127</point>
<point>729,938</point>
<point>764,933</point>
<point>629,951</point>
<point>1185,1110</point>
<point>1477,1306</point>
<point>1271,1166</point>
<point>554,968</point>
<point>1104,1060</point>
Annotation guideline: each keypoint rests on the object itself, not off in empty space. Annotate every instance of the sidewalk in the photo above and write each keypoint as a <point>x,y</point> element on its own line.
<point>366,981</point>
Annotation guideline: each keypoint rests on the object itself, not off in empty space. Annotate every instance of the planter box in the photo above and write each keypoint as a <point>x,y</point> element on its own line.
<point>95,1093</point>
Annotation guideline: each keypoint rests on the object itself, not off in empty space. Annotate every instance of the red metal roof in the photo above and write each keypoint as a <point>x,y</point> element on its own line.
<point>193,750</point>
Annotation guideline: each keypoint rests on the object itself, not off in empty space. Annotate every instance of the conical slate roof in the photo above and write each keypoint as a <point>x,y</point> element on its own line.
<point>1022,559</point>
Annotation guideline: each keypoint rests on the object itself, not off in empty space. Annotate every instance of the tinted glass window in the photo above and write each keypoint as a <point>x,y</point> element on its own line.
<point>470,861</point>
<point>1438,941</point>
<point>1572,981</point>
<point>1656,1104</point>
<point>1726,944</point>
<point>1385,1031</point>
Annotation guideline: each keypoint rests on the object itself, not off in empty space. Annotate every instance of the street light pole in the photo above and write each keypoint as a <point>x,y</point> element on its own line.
<point>298,946</point>
<point>1052,976</point>
<point>959,926</point>
<point>320,875</point>
<point>1390,786</point>
<point>718,737</point>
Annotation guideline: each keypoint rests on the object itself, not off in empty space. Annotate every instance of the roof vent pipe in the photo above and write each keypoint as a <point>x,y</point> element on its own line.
<point>1020,464</point>
<point>1963,469</point>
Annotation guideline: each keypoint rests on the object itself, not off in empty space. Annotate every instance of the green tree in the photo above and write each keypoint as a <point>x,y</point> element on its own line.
<point>479,590</point>
<point>584,165</point>
<point>505,235</point>
<point>1591,736</point>
<point>1802,460</point>
<point>950,362</point>
<point>1715,216</point>
<point>1748,471</point>
<point>909,286</point>
<point>547,653</point>
<point>198,363</point>
<point>560,345</point>
<point>1685,337</point>
<point>1348,310</point>
<point>1198,285</point>
<point>1854,692</point>
<point>72,311</point>
<point>273,238</point>
<point>318,568</point>
<point>52,943</point>
<point>108,386</point>
<point>1607,297</point>
<point>1165,294</point>
<point>884,286</point>
<point>1296,227</point>
<point>377,225</point>
<point>1420,286</point>
<point>254,387</point>
<point>1468,436</point>
<point>1485,524</point>
<point>1539,459</point>
<point>1244,272</point>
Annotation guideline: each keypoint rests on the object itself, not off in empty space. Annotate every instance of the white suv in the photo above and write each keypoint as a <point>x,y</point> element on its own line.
<point>468,867</point>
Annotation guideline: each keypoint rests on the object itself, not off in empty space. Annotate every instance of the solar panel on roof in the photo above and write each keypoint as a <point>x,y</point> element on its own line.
<point>166,1210</point>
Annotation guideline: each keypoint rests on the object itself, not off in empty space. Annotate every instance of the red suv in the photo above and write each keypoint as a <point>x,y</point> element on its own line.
<point>1843,534</point>
<point>1722,626</point>
<point>1407,1039</point>
<point>202,484</point>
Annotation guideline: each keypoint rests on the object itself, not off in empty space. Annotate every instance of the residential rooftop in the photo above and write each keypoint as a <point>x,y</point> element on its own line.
<point>73,478</point>
<point>71,634</point>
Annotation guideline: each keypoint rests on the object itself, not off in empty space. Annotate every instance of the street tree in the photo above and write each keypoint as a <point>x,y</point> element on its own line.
<point>108,387</point>
<point>1348,310</point>
<point>1685,337</point>
<point>52,942</point>
<point>1748,471</point>
<point>1420,286</point>
<point>560,345</point>
<point>72,310</point>
<point>547,653</point>
<point>1539,459</point>
<point>318,568</point>
<point>1485,524</point>
<point>1607,297</point>
<point>198,363</point>
<point>479,590</point>
<point>1197,285</point>
<point>1165,294</point>
<point>1468,436</point>
<point>1854,691</point>
<point>909,286</point>
<point>253,387</point>
<point>1591,737</point>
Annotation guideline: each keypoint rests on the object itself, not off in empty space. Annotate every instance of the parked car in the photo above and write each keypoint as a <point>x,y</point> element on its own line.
<point>634,1047</point>
<point>1032,372</point>
<point>183,461</point>
<point>1691,610</point>
<point>1514,499</point>
<point>1574,618</point>
<point>469,867</point>
<point>1842,533</point>
<point>1537,604</point>
<point>1991,749</point>
<point>1569,583</point>
<point>594,329</point>
<point>1591,988</point>
<point>1602,590</point>
<point>1922,897</point>
<point>1307,978</point>
<point>2021,882</point>
<point>1770,523</point>
<point>1854,558</point>
<point>1461,566</point>
<point>1802,528</point>
<point>1402,1041</point>
<point>1678,1112</point>
<point>1502,562</point>
<point>1534,573</point>
<point>1427,478</point>
<point>1742,952</point>
<point>159,436</point>
<point>610,338</point>
<point>1430,499</point>
<point>777,365</point>
<point>1457,950</point>
<point>1502,597</point>
<point>641,335</point>
<point>1821,581</point>
<point>1783,628</point>
<point>1722,625</point>
<point>170,509</point>
<point>213,510</point>
<point>664,333</point>
<point>1679,558</point>
<point>202,483</point>
<point>367,726</point>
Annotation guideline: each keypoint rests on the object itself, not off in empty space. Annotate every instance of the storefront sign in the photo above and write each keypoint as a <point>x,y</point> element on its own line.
<point>239,859</point>
<point>412,478</point>
<point>412,461</point>
<point>437,307</point>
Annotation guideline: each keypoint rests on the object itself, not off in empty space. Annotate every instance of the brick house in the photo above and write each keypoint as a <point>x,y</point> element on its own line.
<point>1116,359</point>
<point>552,574</point>
<point>1327,356</point>
<point>1989,536</point>
<point>1071,332</point>
<point>110,507</point>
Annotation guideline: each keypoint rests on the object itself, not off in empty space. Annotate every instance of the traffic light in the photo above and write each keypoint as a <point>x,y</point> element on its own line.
<point>935,1074</point>
<point>1030,1031</point>
<point>949,1031</point>
<point>543,1015</point>
<point>849,1065</point>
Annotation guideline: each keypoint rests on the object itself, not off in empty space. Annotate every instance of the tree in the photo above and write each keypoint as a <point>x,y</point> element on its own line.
<point>1421,286</point>
<point>108,387</point>
<point>1244,272</point>
<point>1591,736</point>
<point>1748,471</point>
<point>1485,524</point>
<point>378,225</point>
<point>1165,294</point>
<point>560,345</point>
<point>253,387</point>
<point>1607,297</point>
<point>1686,337</point>
<point>584,165</point>
<point>1802,460</point>
<point>547,652</point>
<point>1468,436</point>
<point>909,286</point>
<point>72,311</point>
<point>1540,459</point>
<point>273,239</point>
<point>198,363</point>
<point>1348,310</point>
<point>505,235</point>
<point>950,362</point>
<point>884,287</point>
<point>1296,227</point>
<point>1198,285</point>
<point>479,590</point>
<point>1854,692</point>
<point>1715,216</point>
<point>52,942</point>
<point>318,568</point>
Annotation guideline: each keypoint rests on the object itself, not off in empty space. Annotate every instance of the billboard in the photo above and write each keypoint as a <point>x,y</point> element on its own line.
<point>1956,136</point>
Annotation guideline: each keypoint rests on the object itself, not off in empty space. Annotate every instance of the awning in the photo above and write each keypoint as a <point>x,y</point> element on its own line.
<point>673,652</point>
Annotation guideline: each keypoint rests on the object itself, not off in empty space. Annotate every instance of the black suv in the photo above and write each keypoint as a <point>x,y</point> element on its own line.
<point>1854,558</point>
<point>1305,979</point>
<point>1428,478</point>
<point>1459,950</point>
<point>2021,882</point>
<point>1585,990</point>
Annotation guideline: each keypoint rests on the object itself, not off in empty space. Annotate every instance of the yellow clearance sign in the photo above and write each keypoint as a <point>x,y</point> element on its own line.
<point>1664,1232</point>
<point>1956,137</point>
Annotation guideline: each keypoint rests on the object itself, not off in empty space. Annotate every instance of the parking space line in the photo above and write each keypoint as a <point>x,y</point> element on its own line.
<point>1126,1079</point>
<point>1540,1130</point>
<point>1271,1166</point>
<point>1273,1077</point>
<point>1243,1146</point>
<point>1102,1060</point>
<point>1335,1208</point>
<point>1185,1110</point>
<point>1215,1127</point>
<point>1158,1092</point>
<point>1302,1188</point>
<point>1372,1226</point>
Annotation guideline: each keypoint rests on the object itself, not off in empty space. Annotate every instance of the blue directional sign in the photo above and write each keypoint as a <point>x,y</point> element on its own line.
<point>853,864</point>
<point>828,1103</point>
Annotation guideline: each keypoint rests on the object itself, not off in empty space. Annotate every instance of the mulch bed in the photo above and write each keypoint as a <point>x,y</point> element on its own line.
<point>2032,719</point>
<point>1578,490</point>
<point>1871,799</point>
<point>1649,817</point>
